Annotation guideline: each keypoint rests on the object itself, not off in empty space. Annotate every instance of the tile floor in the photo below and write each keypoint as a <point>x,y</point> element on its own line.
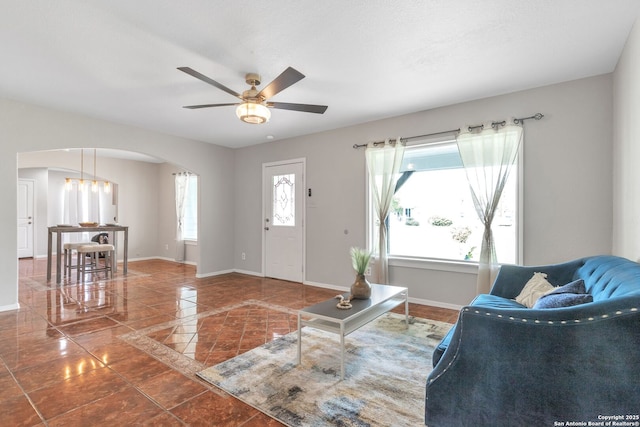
<point>64,359</point>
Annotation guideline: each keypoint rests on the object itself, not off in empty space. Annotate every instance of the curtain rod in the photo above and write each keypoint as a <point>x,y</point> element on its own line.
<point>536,116</point>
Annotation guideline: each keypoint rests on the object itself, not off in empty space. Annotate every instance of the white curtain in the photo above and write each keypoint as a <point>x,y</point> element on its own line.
<point>383,164</point>
<point>182,184</point>
<point>81,206</point>
<point>487,155</point>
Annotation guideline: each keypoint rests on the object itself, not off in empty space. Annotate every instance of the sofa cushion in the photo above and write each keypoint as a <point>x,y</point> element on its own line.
<point>495,301</point>
<point>571,294</point>
<point>534,289</point>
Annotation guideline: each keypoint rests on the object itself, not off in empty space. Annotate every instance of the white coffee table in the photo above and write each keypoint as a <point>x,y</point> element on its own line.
<point>327,317</point>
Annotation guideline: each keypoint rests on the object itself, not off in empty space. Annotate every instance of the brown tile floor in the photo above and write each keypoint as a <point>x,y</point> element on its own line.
<point>64,361</point>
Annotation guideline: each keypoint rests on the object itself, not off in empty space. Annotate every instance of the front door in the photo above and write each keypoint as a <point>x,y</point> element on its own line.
<point>283,185</point>
<point>25,218</point>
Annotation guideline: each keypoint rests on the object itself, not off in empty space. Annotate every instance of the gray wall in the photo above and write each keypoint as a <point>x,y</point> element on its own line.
<point>167,216</point>
<point>138,190</point>
<point>626,137</point>
<point>145,192</point>
<point>25,128</point>
<point>567,194</point>
<point>567,186</point>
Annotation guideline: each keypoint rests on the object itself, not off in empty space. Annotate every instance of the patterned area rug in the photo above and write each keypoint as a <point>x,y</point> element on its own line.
<point>386,366</point>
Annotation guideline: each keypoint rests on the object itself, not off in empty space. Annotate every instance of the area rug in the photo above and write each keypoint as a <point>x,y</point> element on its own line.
<point>386,366</point>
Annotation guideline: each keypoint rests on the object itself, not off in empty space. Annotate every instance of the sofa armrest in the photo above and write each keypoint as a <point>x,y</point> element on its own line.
<point>512,278</point>
<point>534,367</point>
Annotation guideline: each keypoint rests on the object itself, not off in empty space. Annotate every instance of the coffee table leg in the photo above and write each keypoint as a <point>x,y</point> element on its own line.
<point>299,339</point>
<point>406,308</point>
<point>342,351</point>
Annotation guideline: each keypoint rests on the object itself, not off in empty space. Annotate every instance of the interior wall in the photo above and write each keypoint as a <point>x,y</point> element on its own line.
<point>167,217</point>
<point>138,190</point>
<point>334,212</point>
<point>567,200</point>
<point>26,128</point>
<point>567,187</point>
<point>152,233</point>
<point>626,150</point>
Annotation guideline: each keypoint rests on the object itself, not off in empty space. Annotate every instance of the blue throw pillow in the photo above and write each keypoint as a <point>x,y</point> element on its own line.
<point>575,287</point>
<point>562,300</point>
<point>571,294</point>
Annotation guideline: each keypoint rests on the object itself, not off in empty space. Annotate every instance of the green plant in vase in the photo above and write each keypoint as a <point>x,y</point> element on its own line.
<point>360,259</point>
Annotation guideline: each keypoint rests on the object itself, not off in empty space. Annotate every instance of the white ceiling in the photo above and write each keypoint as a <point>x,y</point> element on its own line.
<point>365,59</point>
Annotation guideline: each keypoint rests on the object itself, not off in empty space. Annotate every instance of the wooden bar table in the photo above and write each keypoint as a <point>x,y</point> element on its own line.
<point>59,230</point>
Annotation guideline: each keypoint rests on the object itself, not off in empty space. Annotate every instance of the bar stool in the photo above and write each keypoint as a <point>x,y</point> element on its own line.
<point>68,255</point>
<point>93,252</point>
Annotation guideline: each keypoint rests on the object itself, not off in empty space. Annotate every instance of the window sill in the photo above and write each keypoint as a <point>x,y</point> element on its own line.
<point>465,267</point>
<point>190,242</point>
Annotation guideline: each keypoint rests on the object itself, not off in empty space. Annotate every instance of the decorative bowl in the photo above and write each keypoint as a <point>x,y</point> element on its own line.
<point>88,224</point>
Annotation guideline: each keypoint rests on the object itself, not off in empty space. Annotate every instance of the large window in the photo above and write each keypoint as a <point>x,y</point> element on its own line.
<point>433,216</point>
<point>191,210</point>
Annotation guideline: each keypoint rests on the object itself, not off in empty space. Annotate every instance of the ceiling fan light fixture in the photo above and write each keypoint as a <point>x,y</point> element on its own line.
<point>254,113</point>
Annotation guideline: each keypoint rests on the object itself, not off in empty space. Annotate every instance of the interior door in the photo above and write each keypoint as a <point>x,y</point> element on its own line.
<point>284,220</point>
<point>25,218</point>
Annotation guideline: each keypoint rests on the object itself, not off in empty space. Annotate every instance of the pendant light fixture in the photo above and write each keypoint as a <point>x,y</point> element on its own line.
<point>81,182</point>
<point>94,182</point>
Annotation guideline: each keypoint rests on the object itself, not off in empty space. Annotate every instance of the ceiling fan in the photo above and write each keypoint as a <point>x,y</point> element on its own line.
<point>254,107</point>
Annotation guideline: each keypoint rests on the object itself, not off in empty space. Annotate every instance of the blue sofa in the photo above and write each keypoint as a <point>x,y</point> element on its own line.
<point>504,364</point>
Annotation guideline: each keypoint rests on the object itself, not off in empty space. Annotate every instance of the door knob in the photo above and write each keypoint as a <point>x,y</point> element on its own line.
<point>266,228</point>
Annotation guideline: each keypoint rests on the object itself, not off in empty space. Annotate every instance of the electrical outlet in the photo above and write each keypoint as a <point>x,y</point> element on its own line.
<point>166,247</point>
<point>244,256</point>
<point>367,271</point>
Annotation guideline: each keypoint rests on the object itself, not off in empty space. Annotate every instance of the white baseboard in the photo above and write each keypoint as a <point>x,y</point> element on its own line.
<point>164,258</point>
<point>327,286</point>
<point>9,307</point>
<point>249,273</point>
<point>260,274</point>
<point>215,273</point>
<point>413,300</point>
<point>146,259</point>
<point>435,303</point>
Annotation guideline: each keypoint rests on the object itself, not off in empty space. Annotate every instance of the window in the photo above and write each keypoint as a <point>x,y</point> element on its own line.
<point>432,214</point>
<point>82,204</point>
<point>191,210</point>
<point>284,206</point>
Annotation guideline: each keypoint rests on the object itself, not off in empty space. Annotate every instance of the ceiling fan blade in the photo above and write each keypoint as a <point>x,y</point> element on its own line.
<point>206,79</point>
<point>305,108</point>
<point>280,83</point>
<point>193,107</point>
